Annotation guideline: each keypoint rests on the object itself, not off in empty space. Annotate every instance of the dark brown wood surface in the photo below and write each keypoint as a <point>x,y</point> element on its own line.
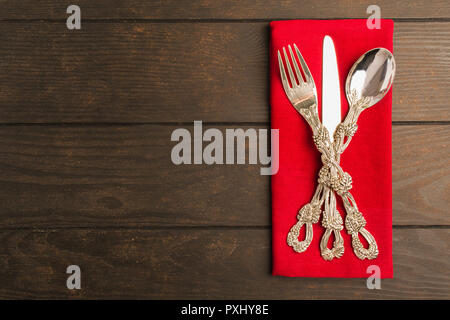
<point>85,170</point>
<point>113,176</point>
<point>109,72</point>
<point>231,9</point>
<point>198,263</point>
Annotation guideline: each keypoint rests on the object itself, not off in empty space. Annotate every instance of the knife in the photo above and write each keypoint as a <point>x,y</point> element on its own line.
<point>331,96</point>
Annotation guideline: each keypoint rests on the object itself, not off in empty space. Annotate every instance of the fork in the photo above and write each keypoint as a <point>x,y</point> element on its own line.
<point>302,94</point>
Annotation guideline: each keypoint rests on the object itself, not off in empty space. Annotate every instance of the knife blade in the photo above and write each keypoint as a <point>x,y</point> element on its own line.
<point>331,94</point>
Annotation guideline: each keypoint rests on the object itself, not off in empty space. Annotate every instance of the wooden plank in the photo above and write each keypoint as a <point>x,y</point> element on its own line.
<point>200,264</point>
<point>116,176</point>
<point>235,9</point>
<point>416,48</point>
<point>421,174</point>
<point>174,72</point>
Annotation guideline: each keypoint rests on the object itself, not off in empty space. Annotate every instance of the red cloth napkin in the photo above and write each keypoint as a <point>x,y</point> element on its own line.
<point>367,159</point>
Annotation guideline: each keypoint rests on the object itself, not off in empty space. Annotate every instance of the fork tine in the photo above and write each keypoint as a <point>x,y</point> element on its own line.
<point>305,68</point>
<point>297,70</point>
<point>284,79</point>
<point>288,64</point>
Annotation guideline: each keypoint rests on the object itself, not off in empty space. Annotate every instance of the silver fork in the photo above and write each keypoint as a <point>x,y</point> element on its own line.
<point>303,96</point>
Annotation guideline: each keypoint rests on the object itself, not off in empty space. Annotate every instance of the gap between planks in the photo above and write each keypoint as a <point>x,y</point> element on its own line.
<point>183,123</point>
<point>197,20</point>
<point>192,227</point>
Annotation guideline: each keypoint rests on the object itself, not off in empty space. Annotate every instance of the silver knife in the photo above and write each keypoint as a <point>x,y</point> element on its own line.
<point>331,117</point>
<point>331,94</point>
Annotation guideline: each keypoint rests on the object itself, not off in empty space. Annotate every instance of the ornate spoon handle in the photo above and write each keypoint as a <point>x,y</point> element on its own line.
<point>348,127</point>
<point>355,224</point>
<point>354,221</point>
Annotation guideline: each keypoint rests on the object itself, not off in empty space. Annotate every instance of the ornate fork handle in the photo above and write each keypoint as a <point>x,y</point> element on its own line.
<point>341,183</point>
<point>310,213</point>
<point>307,215</point>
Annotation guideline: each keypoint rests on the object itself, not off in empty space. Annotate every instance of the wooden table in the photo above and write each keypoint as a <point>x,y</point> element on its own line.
<point>85,170</point>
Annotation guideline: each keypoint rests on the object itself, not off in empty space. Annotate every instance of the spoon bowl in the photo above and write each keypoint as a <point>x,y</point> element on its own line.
<point>371,76</point>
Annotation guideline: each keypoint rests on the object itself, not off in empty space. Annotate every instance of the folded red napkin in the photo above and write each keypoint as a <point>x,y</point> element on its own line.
<point>367,159</point>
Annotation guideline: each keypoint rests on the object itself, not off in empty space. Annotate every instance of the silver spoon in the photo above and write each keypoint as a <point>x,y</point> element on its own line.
<point>371,77</point>
<point>368,81</point>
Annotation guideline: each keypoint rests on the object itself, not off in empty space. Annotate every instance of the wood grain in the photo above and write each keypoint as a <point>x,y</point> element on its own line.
<point>177,72</point>
<point>86,176</point>
<point>200,264</point>
<point>421,174</point>
<point>230,9</point>
<point>116,176</point>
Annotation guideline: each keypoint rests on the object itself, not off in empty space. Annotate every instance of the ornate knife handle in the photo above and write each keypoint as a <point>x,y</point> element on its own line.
<point>332,222</point>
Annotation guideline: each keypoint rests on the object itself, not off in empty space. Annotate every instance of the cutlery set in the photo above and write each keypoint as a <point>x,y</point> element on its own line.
<point>368,81</point>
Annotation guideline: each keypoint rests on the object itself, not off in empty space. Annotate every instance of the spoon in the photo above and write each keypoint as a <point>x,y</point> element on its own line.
<point>368,81</point>
<point>371,77</point>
